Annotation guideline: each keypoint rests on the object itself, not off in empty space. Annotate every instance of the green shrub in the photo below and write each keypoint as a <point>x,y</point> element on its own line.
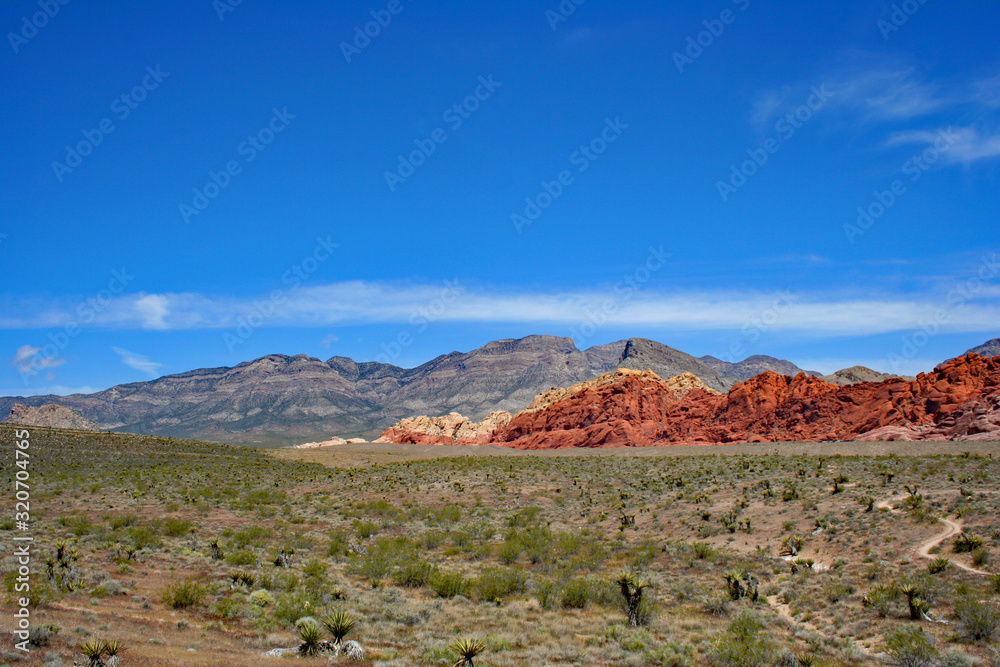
<point>173,527</point>
<point>547,593</point>
<point>365,529</point>
<point>181,594</point>
<point>938,565</point>
<point>744,643</point>
<point>262,598</point>
<point>979,619</point>
<point>910,646</point>
<point>339,546</point>
<point>415,574</point>
<point>449,584</point>
<point>496,584</point>
<point>242,557</point>
<point>577,593</point>
<point>980,557</point>
<point>290,607</point>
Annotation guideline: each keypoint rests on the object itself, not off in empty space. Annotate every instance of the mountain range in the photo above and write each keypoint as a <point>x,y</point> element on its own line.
<point>279,399</point>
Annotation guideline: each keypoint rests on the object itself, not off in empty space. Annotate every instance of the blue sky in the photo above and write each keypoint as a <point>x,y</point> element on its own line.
<point>196,184</point>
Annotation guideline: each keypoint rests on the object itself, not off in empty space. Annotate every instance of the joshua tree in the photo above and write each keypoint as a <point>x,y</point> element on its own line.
<point>742,584</point>
<point>467,650</point>
<point>918,606</point>
<point>216,549</point>
<point>632,588</point>
<point>837,482</point>
<point>868,501</point>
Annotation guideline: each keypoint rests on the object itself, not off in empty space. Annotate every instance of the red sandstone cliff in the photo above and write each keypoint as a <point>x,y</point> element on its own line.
<point>958,401</point>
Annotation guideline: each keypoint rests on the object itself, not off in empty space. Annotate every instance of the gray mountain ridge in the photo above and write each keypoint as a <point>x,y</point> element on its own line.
<point>280,399</point>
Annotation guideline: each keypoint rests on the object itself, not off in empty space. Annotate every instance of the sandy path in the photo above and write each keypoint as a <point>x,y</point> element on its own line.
<point>924,548</point>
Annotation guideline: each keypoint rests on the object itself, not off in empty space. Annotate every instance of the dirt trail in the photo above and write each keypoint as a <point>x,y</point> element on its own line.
<point>924,548</point>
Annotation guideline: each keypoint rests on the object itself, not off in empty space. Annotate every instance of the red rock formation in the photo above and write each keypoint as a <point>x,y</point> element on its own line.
<point>959,400</point>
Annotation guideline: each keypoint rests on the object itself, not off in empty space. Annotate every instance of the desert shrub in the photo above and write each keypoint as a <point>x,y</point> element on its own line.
<point>262,598</point>
<point>546,591</point>
<point>449,584</point>
<point>181,594</point>
<point>910,646</point>
<point>744,643</point>
<point>966,543</point>
<point>577,593</point>
<point>290,607</point>
<point>228,608</point>
<point>509,552</point>
<point>415,574</point>
<point>253,535</point>
<point>496,584</point>
<point>384,555</point>
<point>119,521</point>
<point>880,599</point>
<point>995,582</point>
<point>938,565</point>
<point>241,557</point>
<point>174,527</point>
<point>836,591</point>
<point>716,605</point>
<point>365,529</point>
<point>980,556</point>
<point>432,539</point>
<point>703,550</point>
<point>77,525</point>
<point>979,619</point>
<point>144,537</point>
<point>339,546</point>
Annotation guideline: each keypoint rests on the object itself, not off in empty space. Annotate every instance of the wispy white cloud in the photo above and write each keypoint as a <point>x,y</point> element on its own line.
<point>57,390</point>
<point>964,145</point>
<point>138,361</point>
<point>360,302</point>
<point>889,93</point>
<point>27,359</point>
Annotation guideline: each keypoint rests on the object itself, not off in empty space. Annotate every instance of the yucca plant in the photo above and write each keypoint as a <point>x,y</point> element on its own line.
<point>466,650</point>
<point>94,651</point>
<point>338,623</point>
<point>112,648</point>
<point>310,634</point>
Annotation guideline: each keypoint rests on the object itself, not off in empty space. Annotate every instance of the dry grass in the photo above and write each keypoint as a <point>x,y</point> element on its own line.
<point>354,518</point>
